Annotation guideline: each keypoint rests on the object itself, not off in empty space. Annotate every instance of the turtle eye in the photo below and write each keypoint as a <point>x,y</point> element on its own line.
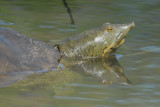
<point>109,29</point>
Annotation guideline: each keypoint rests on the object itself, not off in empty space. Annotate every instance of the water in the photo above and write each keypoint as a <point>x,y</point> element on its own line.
<point>48,21</point>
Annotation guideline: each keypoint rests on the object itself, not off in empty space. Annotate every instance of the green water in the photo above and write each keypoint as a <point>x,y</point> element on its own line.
<point>49,21</point>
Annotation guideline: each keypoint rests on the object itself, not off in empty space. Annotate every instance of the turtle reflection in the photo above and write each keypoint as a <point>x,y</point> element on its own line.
<point>106,70</point>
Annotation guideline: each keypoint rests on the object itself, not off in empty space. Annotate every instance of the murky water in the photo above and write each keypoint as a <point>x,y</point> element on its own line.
<point>81,85</point>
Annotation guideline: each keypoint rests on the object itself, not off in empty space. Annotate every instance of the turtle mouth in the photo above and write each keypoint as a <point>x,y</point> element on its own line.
<point>121,37</point>
<point>120,40</point>
<point>118,44</point>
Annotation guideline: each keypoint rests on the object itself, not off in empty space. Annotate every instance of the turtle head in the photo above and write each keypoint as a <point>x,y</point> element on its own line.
<point>103,40</point>
<point>113,35</point>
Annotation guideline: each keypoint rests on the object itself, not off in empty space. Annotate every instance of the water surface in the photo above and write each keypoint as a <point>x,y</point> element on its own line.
<point>49,21</point>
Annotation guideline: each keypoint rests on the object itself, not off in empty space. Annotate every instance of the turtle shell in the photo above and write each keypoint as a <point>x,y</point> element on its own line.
<point>21,53</point>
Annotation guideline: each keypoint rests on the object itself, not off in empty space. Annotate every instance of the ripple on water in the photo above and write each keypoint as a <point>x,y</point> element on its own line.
<point>153,101</point>
<point>151,48</point>
<point>153,66</point>
<point>156,93</point>
<point>103,106</point>
<point>2,22</point>
<point>122,101</point>
<point>67,30</point>
<point>92,93</point>
<point>86,85</point>
<point>136,94</point>
<point>46,26</point>
<point>118,56</point>
<point>76,98</point>
<point>147,86</point>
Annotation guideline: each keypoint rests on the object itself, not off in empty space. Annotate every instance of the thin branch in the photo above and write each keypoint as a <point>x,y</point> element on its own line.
<point>69,12</point>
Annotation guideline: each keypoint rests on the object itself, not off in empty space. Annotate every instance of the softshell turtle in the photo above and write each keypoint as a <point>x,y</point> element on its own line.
<point>21,53</point>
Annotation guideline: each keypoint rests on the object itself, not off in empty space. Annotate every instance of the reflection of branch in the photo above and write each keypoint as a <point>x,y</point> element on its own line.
<point>69,11</point>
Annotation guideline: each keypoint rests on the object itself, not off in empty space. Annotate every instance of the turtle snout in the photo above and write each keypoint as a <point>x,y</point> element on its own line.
<point>132,25</point>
